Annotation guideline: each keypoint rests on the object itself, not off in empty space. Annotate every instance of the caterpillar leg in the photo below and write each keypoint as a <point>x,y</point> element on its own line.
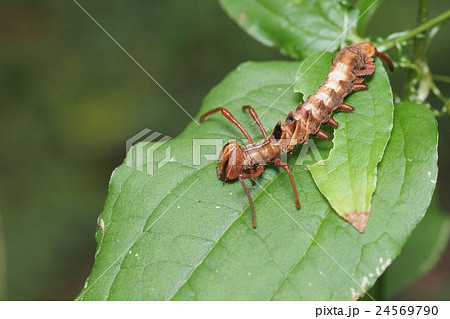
<point>253,174</point>
<point>255,117</point>
<point>231,118</point>
<point>278,162</point>
<point>360,87</point>
<point>324,136</point>
<point>333,123</point>
<point>241,179</point>
<point>347,108</point>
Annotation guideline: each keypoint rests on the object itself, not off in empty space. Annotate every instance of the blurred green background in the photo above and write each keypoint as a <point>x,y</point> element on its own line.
<point>70,98</point>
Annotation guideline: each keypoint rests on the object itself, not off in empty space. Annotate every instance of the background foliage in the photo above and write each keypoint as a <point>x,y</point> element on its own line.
<point>70,98</point>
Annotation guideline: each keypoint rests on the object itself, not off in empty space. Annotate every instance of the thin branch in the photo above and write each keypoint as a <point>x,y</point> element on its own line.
<point>441,78</point>
<point>418,46</point>
<point>404,36</point>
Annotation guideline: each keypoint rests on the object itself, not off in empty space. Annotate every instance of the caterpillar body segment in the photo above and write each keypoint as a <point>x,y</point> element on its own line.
<point>347,73</point>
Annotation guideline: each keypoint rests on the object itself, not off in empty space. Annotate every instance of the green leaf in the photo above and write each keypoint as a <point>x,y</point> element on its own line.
<point>347,178</point>
<point>421,253</point>
<point>299,28</point>
<point>180,234</point>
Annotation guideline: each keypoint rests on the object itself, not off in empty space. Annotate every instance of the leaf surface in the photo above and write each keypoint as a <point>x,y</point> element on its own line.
<point>180,234</point>
<point>299,28</point>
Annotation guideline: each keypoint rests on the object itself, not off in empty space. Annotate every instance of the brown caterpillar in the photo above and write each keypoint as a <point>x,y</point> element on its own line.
<point>346,75</point>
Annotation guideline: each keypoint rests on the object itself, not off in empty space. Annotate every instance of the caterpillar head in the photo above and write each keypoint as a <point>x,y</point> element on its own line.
<point>230,163</point>
<point>368,47</point>
<point>370,51</point>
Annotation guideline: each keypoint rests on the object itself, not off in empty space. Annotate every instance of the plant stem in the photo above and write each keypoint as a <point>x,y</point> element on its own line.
<point>441,78</point>
<point>410,89</point>
<point>388,44</point>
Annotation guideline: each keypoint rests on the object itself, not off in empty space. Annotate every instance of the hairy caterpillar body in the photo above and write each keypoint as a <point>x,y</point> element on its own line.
<point>347,73</point>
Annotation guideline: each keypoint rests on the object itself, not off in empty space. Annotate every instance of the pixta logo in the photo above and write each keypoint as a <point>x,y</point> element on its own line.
<point>141,151</point>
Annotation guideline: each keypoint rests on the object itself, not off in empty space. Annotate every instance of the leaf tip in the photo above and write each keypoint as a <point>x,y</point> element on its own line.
<point>358,220</point>
<point>355,298</point>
